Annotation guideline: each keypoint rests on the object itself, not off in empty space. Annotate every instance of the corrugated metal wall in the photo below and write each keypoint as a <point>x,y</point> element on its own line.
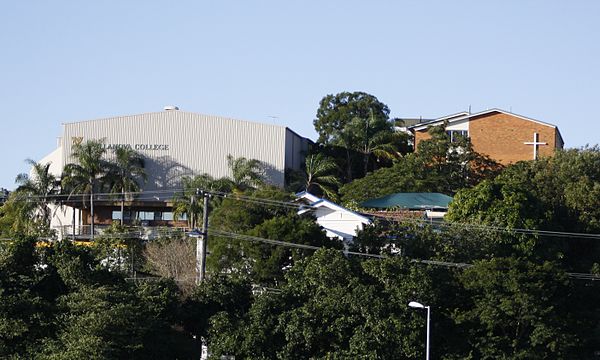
<point>296,148</point>
<point>178,143</point>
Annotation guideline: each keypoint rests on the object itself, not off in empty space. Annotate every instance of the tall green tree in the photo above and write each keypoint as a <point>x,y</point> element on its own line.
<point>317,176</point>
<point>439,165</point>
<point>263,263</point>
<point>37,192</point>
<point>374,137</point>
<point>25,308</point>
<point>453,163</point>
<point>332,307</point>
<point>552,194</point>
<point>520,310</point>
<point>245,173</point>
<point>358,123</point>
<point>189,202</point>
<point>126,173</point>
<point>88,175</point>
<point>336,111</point>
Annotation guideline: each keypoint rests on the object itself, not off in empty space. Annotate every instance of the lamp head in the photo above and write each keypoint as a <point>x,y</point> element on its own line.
<point>416,305</point>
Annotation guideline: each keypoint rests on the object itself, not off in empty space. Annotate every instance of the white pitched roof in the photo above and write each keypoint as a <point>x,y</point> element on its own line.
<point>316,202</point>
<point>458,117</point>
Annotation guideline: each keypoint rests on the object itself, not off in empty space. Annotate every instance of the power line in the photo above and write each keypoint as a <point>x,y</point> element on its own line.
<point>521,231</point>
<point>580,276</point>
<point>236,236</point>
<point>294,205</point>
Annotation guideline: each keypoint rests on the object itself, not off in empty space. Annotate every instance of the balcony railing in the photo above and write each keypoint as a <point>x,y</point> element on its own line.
<point>84,232</point>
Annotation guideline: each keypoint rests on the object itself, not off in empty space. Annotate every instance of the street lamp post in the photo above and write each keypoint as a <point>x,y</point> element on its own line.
<point>416,305</point>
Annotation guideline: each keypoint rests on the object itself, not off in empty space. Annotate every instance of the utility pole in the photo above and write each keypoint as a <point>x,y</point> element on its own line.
<point>201,240</point>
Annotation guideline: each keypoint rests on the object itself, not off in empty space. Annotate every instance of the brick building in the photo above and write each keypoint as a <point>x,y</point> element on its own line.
<point>503,136</point>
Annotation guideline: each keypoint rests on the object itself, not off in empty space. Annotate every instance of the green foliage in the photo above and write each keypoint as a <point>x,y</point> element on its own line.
<point>16,219</point>
<point>268,263</point>
<point>264,263</point>
<point>406,175</point>
<point>336,111</point>
<point>507,306</point>
<point>25,308</point>
<point>125,174</point>
<point>519,310</point>
<point>57,303</point>
<point>358,124</point>
<point>245,173</point>
<point>27,210</point>
<point>317,176</point>
<point>557,194</point>
<point>90,173</point>
<point>218,294</point>
<point>263,301</point>
<point>331,308</point>
<point>190,203</point>
<point>118,250</point>
<point>373,137</point>
<point>239,216</point>
<point>96,323</point>
<point>439,166</point>
<point>36,193</point>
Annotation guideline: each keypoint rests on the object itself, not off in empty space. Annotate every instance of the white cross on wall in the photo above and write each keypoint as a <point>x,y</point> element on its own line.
<point>536,142</point>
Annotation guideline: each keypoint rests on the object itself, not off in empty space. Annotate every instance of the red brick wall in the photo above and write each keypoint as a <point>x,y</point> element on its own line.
<point>502,136</point>
<point>420,136</point>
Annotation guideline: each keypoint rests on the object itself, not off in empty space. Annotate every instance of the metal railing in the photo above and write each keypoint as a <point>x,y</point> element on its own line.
<point>84,232</point>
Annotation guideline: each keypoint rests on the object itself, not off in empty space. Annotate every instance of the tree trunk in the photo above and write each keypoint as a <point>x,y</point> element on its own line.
<point>73,229</point>
<point>348,165</point>
<point>122,205</point>
<point>92,213</point>
<point>366,163</point>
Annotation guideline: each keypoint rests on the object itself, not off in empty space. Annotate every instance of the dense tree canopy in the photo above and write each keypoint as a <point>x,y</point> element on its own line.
<point>264,263</point>
<point>56,302</point>
<point>354,129</point>
<point>337,111</point>
<point>317,176</point>
<point>509,276</point>
<point>555,194</point>
<point>439,165</point>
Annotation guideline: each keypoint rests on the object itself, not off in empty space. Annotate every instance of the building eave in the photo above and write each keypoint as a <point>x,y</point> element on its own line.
<point>452,119</point>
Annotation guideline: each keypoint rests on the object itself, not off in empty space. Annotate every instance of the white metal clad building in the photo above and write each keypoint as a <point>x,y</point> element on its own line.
<point>176,143</point>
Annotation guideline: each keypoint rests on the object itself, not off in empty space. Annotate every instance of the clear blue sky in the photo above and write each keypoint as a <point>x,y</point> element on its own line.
<point>272,61</point>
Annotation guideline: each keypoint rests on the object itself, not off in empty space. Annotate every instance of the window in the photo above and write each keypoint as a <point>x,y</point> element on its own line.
<point>457,134</point>
<point>147,215</point>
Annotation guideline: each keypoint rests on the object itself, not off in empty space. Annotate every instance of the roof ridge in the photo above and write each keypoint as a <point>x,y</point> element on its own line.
<point>179,111</point>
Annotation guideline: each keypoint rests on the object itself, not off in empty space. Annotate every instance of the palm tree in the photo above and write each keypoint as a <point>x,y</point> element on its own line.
<point>89,175</point>
<point>318,174</point>
<point>126,169</point>
<point>187,203</point>
<point>375,137</point>
<point>37,191</point>
<point>245,173</point>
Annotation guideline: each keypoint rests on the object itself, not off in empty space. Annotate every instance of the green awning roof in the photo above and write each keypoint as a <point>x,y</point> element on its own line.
<point>411,201</point>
